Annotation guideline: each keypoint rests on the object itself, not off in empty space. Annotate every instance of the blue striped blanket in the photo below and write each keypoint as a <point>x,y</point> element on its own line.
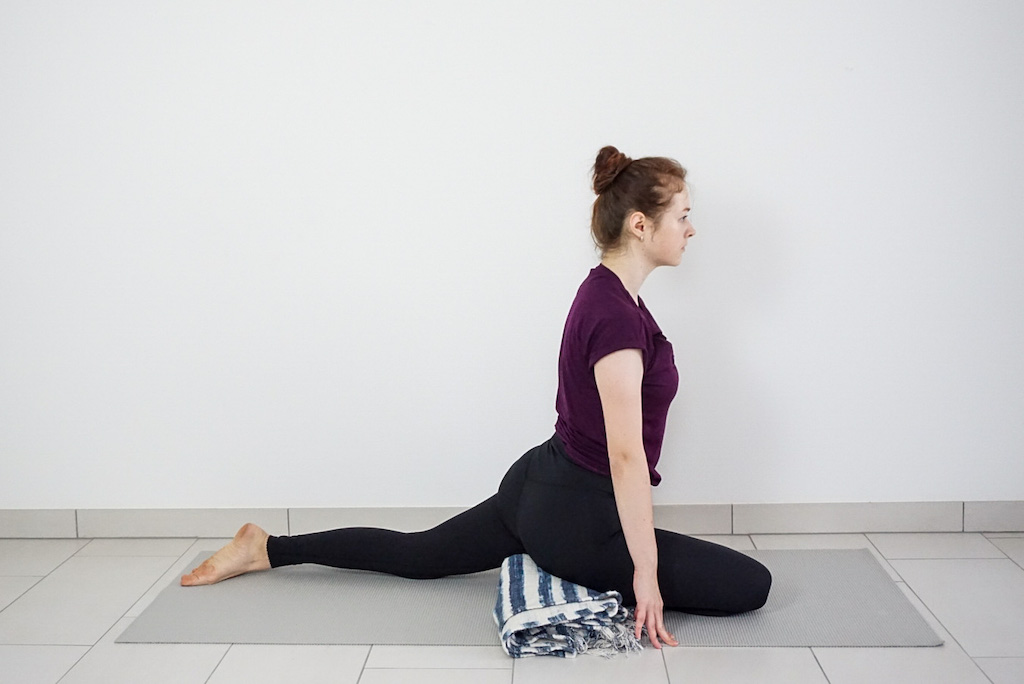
<point>540,614</point>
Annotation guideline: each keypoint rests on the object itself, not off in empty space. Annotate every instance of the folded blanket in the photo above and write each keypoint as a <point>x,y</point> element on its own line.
<point>540,614</point>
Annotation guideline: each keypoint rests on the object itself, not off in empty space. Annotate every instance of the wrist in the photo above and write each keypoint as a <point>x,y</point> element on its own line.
<point>646,569</point>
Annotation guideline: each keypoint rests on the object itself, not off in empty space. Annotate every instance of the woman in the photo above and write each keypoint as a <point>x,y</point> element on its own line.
<point>579,504</point>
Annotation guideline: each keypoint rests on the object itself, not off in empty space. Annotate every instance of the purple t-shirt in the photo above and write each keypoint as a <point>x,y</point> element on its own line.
<point>604,319</point>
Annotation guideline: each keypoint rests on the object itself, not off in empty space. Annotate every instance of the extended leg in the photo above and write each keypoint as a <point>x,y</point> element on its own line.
<point>475,540</point>
<point>472,541</point>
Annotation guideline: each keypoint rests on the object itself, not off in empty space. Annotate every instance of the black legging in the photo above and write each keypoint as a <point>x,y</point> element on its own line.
<point>565,518</point>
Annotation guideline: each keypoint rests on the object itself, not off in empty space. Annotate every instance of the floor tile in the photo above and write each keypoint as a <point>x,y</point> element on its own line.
<point>1005,535</point>
<point>1013,548</point>
<point>436,677</point>
<point>79,601</point>
<point>13,587</point>
<point>946,664</point>
<point>37,664</point>
<point>822,541</point>
<point>897,666</point>
<point>743,666</point>
<point>934,545</point>
<point>980,601</point>
<point>174,573</point>
<point>36,557</point>
<point>111,663</point>
<point>1003,670</point>
<point>647,667</point>
<point>136,547</point>
<point>430,657</point>
<point>273,664</point>
<point>738,542</point>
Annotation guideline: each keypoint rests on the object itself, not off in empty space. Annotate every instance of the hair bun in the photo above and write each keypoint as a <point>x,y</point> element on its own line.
<point>610,163</point>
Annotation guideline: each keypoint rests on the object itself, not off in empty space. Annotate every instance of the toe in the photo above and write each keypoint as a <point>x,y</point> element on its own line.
<point>197,575</point>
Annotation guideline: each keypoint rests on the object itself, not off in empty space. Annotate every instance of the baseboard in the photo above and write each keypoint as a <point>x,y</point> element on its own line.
<point>993,516</point>
<point>192,522</point>
<point>780,518</point>
<point>39,524</point>
<point>943,516</point>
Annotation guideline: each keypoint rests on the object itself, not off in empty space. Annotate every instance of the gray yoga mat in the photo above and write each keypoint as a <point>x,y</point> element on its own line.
<point>818,598</point>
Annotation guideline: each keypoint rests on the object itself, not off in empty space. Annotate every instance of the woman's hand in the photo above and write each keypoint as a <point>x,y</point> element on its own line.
<point>649,608</point>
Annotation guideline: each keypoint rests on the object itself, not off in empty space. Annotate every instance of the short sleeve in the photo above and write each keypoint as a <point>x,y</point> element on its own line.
<point>613,331</point>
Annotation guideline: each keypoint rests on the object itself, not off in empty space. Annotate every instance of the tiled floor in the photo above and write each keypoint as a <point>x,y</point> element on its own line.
<point>63,602</point>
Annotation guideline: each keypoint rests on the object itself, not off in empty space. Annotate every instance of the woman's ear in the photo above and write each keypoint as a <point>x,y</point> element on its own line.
<point>636,224</point>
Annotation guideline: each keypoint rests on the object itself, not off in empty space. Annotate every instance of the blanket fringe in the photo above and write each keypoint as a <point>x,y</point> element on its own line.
<point>609,641</point>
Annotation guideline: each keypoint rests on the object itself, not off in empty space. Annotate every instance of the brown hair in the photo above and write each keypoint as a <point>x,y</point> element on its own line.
<point>625,185</point>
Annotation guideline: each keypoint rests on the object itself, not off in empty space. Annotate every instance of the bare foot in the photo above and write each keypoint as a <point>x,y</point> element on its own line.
<point>245,553</point>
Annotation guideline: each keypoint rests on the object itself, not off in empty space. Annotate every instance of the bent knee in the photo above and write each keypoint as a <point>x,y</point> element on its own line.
<point>749,589</point>
<point>760,587</point>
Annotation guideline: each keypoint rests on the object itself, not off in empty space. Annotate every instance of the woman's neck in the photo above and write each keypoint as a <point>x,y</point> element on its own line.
<point>630,269</point>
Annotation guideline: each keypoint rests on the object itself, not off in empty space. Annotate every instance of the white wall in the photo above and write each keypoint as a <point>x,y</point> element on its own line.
<point>302,254</point>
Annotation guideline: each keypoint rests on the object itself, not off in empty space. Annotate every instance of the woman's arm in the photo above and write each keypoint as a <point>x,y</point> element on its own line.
<point>619,376</point>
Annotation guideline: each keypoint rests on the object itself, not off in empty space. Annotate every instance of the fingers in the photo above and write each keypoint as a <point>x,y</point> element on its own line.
<point>652,632</point>
<point>646,617</point>
<point>663,632</point>
<point>653,621</point>
<point>667,636</point>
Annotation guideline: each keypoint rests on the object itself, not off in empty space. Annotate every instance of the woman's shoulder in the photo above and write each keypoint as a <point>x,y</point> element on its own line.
<point>603,285</point>
<point>602,300</point>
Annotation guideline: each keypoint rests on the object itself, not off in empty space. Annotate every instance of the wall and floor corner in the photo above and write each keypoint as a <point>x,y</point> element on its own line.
<point>292,260</point>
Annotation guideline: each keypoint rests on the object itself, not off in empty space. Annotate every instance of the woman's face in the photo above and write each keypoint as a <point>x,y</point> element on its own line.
<point>667,243</point>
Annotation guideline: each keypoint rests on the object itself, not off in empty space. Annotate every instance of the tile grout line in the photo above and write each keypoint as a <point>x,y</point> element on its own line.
<point>362,669</point>
<point>664,662</point>
<point>820,666</point>
<point>74,665</point>
<point>37,579</point>
<point>214,671</point>
<point>124,615</point>
<point>1012,560</point>
<point>88,651</point>
<point>888,561</point>
<point>982,670</point>
<point>936,617</point>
